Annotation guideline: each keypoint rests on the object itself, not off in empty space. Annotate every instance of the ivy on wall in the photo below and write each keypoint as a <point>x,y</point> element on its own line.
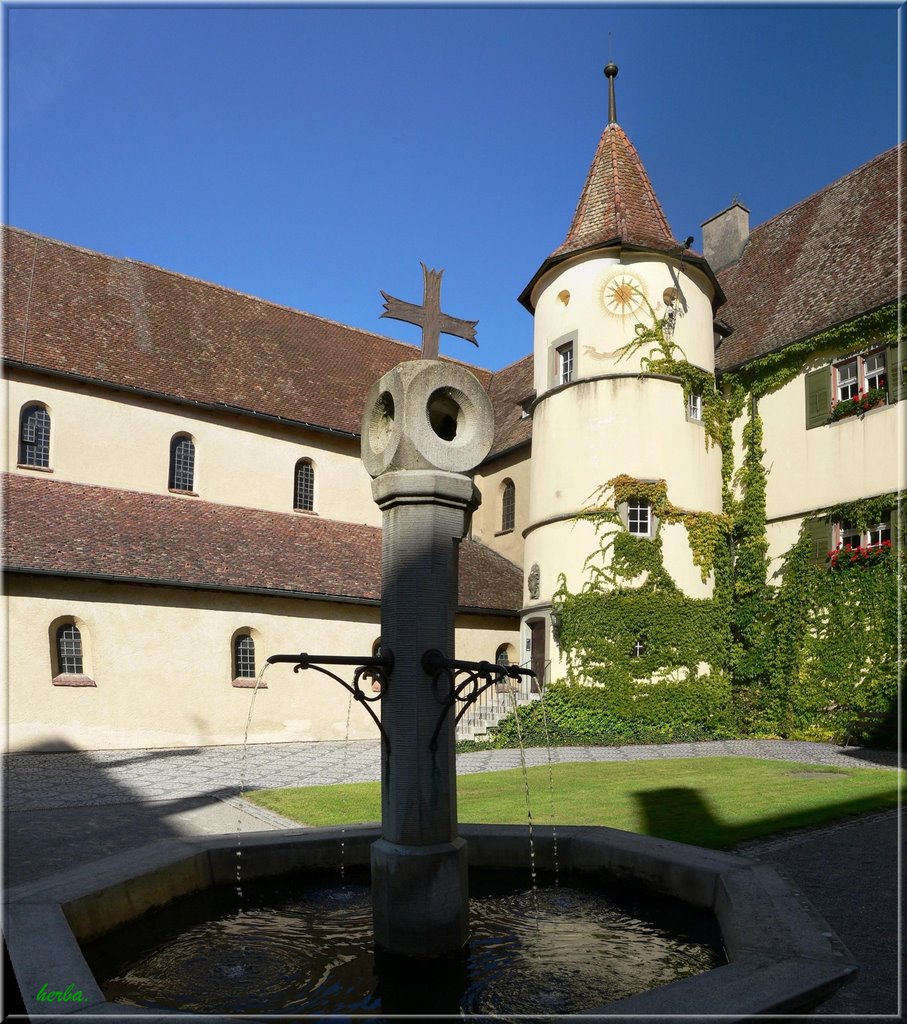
<point>798,660</point>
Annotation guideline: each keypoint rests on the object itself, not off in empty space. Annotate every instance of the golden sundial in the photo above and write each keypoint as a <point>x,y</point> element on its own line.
<point>622,294</point>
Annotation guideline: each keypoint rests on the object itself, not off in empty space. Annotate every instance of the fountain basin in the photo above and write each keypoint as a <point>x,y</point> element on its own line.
<point>782,956</point>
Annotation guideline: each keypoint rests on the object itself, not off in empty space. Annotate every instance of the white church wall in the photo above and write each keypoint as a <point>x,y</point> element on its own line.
<point>486,520</point>
<point>161,661</point>
<point>108,439</point>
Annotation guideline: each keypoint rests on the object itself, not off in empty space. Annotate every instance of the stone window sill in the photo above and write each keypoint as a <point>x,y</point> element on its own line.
<point>34,469</point>
<point>187,494</point>
<point>72,679</point>
<point>503,533</point>
<point>248,683</point>
<point>306,511</point>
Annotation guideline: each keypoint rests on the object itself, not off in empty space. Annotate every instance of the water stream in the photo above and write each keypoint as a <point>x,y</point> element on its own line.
<point>553,809</point>
<point>519,734</point>
<point>345,779</point>
<point>242,778</point>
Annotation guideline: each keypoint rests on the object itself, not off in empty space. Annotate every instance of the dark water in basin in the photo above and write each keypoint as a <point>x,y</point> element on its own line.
<point>305,947</point>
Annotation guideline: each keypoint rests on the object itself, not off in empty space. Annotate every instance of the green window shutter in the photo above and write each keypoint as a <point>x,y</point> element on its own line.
<point>818,397</point>
<point>897,373</point>
<point>819,532</point>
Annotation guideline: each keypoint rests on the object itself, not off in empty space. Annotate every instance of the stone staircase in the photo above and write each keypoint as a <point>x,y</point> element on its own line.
<point>485,714</point>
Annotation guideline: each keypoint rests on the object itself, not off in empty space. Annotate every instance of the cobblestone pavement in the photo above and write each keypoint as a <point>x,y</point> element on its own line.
<point>73,807</point>
<point>78,779</point>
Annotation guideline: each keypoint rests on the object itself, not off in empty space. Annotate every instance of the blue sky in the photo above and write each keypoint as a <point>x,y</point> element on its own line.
<point>312,156</point>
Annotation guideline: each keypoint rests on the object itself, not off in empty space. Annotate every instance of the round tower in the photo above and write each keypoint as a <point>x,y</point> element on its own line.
<point>616,306</point>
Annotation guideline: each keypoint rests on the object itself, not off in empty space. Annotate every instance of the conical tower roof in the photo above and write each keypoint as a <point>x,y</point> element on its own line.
<point>617,206</point>
<point>618,203</point>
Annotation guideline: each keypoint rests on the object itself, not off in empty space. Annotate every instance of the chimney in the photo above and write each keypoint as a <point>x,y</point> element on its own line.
<point>725,235</point>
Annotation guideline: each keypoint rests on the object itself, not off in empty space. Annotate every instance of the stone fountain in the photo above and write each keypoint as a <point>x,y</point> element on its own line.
<point>427,423</point>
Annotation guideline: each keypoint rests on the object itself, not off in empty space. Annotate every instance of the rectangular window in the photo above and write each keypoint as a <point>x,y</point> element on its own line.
<point>861,374</point>
<point>874,371</point>
<point>565,364</point>
<point>878,534</point>
<point>848,380</point>
<point>639,520</point>
<point>694,406</point>
<point>850,536</point>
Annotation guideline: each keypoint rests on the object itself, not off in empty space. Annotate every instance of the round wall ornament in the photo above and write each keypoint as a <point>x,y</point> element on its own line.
<point>622,293</point>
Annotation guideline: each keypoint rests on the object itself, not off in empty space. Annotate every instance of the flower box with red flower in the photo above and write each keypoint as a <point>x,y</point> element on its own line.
<point>860,404</point>
<point>847,557</point>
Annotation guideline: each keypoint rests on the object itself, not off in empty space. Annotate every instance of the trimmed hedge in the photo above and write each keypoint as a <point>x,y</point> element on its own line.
<point>664,712</point>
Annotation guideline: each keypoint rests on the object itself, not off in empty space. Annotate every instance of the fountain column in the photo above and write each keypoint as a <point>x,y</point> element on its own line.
<point>427,423</point>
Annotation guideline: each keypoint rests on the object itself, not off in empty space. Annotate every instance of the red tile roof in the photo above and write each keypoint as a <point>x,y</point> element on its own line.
<point>76,530</point>
<point>617,201</point>
<point>511,388</point>
<point>75,311</point>
<point>816,265</point>
<point>617,207</point>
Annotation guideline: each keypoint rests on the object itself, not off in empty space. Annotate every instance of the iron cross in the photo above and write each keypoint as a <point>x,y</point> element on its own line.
<point>428,316</point>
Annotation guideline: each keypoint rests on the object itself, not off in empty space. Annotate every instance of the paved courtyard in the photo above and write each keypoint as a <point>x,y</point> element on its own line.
<point>74,807</point>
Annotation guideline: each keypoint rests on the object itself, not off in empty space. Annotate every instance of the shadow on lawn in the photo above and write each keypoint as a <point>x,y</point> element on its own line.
<point>684,815</point>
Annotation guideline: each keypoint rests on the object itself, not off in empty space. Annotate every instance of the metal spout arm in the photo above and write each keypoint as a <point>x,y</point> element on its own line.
<point>375,666</point>
<point>470,689</point>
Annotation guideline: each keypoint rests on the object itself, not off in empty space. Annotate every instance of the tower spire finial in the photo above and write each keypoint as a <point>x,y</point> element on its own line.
<point>611,74</point>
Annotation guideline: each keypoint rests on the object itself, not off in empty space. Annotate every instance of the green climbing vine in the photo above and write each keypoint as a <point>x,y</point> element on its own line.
<point>798,659</point>
<point>773,370</point>
<point>662,358</point>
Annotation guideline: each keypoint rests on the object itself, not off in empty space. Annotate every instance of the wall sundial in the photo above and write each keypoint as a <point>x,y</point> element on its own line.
<point>622,294</point>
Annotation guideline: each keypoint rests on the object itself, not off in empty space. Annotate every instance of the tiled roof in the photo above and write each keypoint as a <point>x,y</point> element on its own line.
<point>818,264</point>
<point>130,324</point>
<point>510,388</point>
<point>96,532</point>
<point>617,207</point>
<point>617,201</point>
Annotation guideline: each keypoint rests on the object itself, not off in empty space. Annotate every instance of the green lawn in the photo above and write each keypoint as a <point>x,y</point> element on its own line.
<point>710,801</point>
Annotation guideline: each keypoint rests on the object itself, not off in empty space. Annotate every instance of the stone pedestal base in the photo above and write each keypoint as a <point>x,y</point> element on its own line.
<point>420,898</point>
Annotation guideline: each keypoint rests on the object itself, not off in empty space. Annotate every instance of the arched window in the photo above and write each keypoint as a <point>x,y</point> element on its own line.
<point>70,652</point>
<point>243,657</point>
<point>508,505</point>
<point>69,649</point>
<point>34,436</point>
<point>304,486</point>
<point>182,463</point>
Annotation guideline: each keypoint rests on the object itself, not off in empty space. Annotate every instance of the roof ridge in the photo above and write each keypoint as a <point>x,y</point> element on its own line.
<point>509,366</point>
<point>831,185</point>
<point>232,291</point>
<point>647,184</point>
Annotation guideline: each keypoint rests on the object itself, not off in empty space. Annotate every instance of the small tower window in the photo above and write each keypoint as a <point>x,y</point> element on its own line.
<point>639,648</point>
<point>304,486</point>
<point>565,363</point>
<point>639,518</point>
<point>694,406</point>
<point>508,506</point>
<point>182,463</point>
<point>34,437</point>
